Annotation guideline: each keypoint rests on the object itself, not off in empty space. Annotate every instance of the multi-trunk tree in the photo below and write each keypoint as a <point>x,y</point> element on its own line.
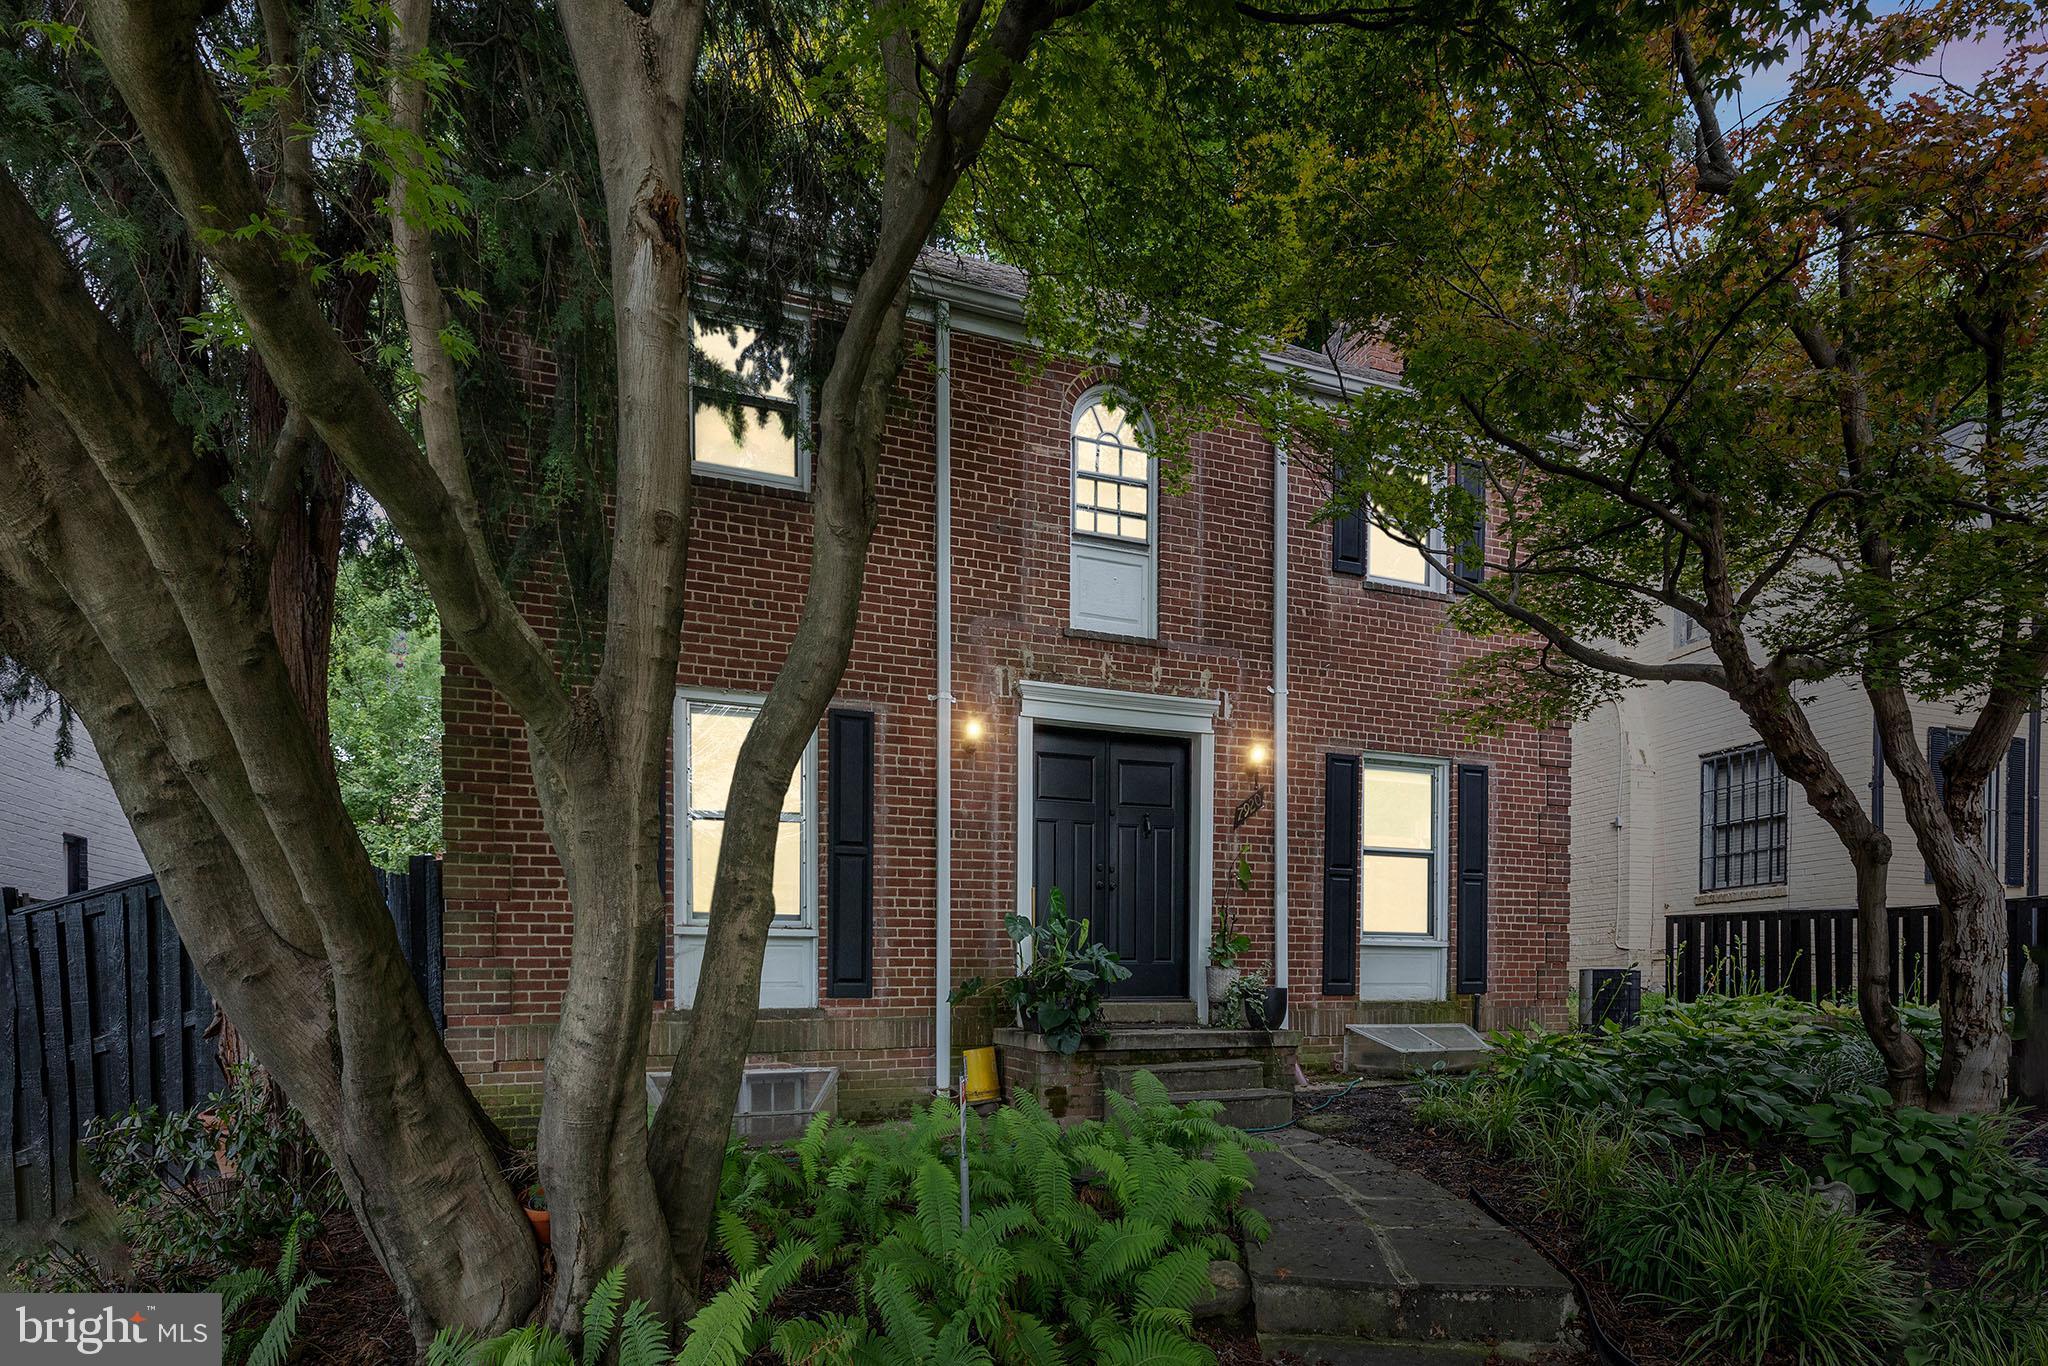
<point>1783,379</point>
<point>136,558</point>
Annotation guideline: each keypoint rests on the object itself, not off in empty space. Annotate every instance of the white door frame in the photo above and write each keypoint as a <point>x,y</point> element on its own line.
<point>1107,709</point>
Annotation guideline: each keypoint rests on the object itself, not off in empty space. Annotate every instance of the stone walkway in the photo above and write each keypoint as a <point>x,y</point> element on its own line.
<point>1370,1265</point>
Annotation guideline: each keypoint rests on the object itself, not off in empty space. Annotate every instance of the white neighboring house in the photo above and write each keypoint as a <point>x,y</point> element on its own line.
<point>61,830</point>
<point>1677,808</point>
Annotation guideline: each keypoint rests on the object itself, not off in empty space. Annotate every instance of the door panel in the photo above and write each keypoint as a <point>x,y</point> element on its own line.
<point>1118,847</point>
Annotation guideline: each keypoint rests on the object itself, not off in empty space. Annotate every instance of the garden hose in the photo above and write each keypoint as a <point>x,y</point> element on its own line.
<point>1314,1109</point>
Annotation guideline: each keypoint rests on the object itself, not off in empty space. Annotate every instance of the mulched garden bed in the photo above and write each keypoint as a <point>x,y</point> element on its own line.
<point>1382,1122</point>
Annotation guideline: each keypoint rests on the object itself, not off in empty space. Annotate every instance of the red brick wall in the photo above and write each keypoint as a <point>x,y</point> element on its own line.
<point>1370,668</point>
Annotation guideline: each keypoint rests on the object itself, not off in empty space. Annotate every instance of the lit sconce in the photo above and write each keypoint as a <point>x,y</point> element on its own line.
<point>1259,757</point>
<point>971,733</point>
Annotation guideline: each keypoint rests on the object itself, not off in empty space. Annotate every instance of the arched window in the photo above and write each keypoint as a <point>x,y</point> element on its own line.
<point>1112,470</point>
<point>1112,553</point>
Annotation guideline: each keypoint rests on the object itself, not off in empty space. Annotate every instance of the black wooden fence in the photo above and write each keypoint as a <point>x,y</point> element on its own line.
<point>1812,954</point>
<point>100,1009</point>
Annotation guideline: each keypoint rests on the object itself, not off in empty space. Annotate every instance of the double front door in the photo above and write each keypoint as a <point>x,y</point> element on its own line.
<point>1111,832</point>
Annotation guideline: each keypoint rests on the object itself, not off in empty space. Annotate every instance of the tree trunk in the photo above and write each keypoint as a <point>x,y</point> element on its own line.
<point>604,1207</point>
<point>378,1089</point>
<point>1905,1060</point>
<point>1976,1048</point>
<point>1781,723</point>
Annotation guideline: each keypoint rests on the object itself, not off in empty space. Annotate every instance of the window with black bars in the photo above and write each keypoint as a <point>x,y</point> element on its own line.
<point>1742,819</point>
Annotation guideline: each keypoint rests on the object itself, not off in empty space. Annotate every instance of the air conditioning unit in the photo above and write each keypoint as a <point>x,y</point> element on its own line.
<point>1610,996</point>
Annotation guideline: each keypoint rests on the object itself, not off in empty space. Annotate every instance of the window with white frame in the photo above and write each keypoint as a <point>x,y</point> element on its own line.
<point>1401,827</point>
<point>707,748</point>
<point>747,413</point>
<point>1685,630</point>
<point>1112,473</point>
<point>1743,818</point>
<point>1390,559</point>
<point>1113,504</point>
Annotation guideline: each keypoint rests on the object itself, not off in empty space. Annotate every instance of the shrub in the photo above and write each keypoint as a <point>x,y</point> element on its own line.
<point>174,1201</point>
<point>1060,990</point>
<point>1958,1172</point>
<point>1762,1270</point>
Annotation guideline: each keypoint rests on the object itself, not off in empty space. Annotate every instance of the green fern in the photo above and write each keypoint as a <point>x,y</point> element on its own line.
<point>270,1344</point>
<point>601,1314</point>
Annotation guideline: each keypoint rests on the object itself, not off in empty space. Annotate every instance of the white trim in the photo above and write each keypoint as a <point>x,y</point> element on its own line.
<point>689,930</point>
<point>1434,580</point>
<point>1440,850</point>
<point>1108,709</point>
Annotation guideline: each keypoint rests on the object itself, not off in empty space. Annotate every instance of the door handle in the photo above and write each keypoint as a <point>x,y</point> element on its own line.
<point>1145,827</point>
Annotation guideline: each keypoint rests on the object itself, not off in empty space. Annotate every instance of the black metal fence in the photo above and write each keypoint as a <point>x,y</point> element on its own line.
<point>101,1009</point>
<point>1812,954</point>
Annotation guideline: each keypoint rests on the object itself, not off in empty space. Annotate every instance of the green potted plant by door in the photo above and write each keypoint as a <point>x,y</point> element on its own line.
<point>1059,992</point>
<point>1226,945</point>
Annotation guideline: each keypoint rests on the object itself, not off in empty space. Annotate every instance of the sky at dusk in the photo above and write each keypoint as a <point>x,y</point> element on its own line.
<point>1961,63</point>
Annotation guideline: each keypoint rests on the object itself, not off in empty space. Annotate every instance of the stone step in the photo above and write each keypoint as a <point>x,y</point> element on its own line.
<point>1183,1080</point>
<point>1324,1351</point>
<point>1364,1251</point>
<point>1149,1012</point>
<point>1254,1108</point>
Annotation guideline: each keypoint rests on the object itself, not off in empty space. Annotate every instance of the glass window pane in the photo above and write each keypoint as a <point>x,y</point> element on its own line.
<point>715,736</point>
<point>1084,521</point>
<point>1088,492</point>
<point>789,896</point>
<point>766,443</point>
<point>1134,465</point>
<point>1396,894</point>
<point>1388,558</point>
<point>723,345</point>
<point>1133,528</point>
<point>705,837</point>
<point>1136,496</point>
<point>1397,812</point>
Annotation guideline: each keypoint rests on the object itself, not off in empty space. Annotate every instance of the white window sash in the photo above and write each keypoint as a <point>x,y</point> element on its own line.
<point>797,408</point>
<point>1435,857</point>
<point>687,919</point>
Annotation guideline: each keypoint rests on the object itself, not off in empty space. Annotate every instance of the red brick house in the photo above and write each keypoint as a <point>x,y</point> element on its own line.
<point>1064,675</point>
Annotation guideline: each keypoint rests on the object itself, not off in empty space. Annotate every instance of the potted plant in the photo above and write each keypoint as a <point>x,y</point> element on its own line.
<point>1225,944</point>
<point>1059,993</point>
<point>535,1202</point>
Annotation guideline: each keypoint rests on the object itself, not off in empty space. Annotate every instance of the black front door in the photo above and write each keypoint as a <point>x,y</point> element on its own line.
<point>1112,834</point>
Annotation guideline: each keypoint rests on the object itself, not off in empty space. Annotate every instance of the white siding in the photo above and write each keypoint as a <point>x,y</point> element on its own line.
<point>41,803</point>
<point>1636,820</point>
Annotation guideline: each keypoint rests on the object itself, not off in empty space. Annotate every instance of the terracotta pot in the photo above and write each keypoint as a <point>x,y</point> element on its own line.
<point>539,1219</point>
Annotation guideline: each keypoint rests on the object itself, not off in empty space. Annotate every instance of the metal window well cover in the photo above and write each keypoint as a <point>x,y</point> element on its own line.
<point>776,1104</point>
<point>1396,1050</point>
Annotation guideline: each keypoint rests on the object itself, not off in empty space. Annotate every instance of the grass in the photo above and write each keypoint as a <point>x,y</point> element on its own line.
<point>1758,1268</point>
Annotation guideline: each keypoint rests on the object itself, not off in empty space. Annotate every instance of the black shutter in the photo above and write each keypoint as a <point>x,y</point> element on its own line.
<point>1347,544</point>
<point>850,854</point>
<point>2015,833</point>
<point>1340,875</point>
<point>1472,878</point>
<point>1470,564</point>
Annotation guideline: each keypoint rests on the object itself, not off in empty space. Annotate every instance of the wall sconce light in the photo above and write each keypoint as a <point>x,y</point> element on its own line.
<point>972,732</point>
<point>1258,757</point>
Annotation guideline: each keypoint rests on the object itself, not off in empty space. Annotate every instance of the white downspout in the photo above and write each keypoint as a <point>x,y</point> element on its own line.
<point>942,499</point>
<point>1280,718</point>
